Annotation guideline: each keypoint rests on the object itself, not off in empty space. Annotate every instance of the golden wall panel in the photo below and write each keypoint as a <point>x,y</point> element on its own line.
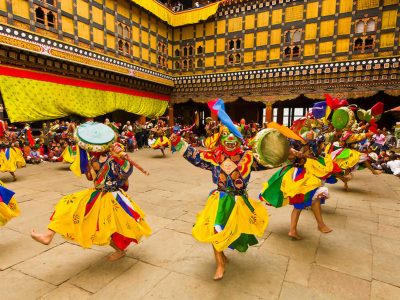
<point>311,31</point>
<point>144,19</point>
<point>135,33</point>
<point>145,54</point>
<point>263,19</point>
<point>276,36</point>
<point>209,28</point>
<point>98,36</point>
<point>220,60</point>
<point>67,25</point>
<point>97,15</point>
<point>387,40</point>
<point>344,26</point>
<point>249,40</point>
<point>209,61</point>
<point>342,45</point>
<point>199,30</point>
<point>153,42</point>
<point>221,27</point>
<point>84,30</point>
<point>144,37</point>
<point>136,51</point>
<point>3,5</point>
<point>110,22</point>
<point>162,30</point>
<point>325,47</point>
<point>187,33</point>
<point>328,7</point>
<point>390,2</point>
<point>276,16</point>
<point>110,4</point>
<point>341,57</point>
<point>363,56</point>
<point>67,6</point>
<point>210,46</point>
<point>153,24</point>
<point>345,6</point>
<point>309,49</point>
<point>327,28</point>
<point>135,14</point>
<point>365,4</point>
<point>294,13</point>
<point>235,24</point>
<point>389,19</point>
<point>261,55</point>
<point>312,10</point>
<point>274,53</point>
<point>82,8</point>
<point>110,41</point>
<point>20,8</point>
<point>123,8</point>
<point>248,57</point>
<point>220,45</point>
<point>249,22</point>
<point>262,38</point>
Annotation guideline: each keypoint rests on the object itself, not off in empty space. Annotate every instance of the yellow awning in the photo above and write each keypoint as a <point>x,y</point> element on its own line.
<point>181,18</point>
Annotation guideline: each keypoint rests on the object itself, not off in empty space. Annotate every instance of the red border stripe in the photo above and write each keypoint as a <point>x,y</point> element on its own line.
<point>20,73</point>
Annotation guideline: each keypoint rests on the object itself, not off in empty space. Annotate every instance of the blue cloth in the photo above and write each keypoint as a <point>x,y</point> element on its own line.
<point>6,194</point>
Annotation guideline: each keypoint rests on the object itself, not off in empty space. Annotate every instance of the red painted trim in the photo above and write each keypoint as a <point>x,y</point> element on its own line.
<point>20,73</point>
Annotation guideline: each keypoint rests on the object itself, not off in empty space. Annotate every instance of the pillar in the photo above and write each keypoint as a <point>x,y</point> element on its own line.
<point>268,112</point>
<point>171,115</point>
<point>280,115</point>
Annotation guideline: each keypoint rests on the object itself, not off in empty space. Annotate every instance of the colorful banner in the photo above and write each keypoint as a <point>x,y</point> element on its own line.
<point>180,18</point>
<point>33,96</point>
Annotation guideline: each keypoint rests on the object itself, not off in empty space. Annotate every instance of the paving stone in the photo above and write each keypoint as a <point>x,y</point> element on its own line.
<point>362,225</point>
<point>16,247</point>
<point>384,291</point>
<point>164,247</point>
<point>298,272</point>
<point>303,250</point>
<point>101,273</point>
<point>388,231</point>
<point>381,244</point>
<point>135,283</point>
<point>67,291</point>
<point>386,268</point>
<point>339,284</point>
<point>388,220</point>
<point>15,285</point>
<point>60,263</point>
<point>296,291</point>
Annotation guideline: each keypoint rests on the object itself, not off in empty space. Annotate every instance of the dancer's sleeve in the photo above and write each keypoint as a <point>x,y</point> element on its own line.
<point>201,159</point>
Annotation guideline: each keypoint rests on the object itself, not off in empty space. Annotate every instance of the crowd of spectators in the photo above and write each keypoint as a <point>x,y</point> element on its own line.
<point>176,5</point>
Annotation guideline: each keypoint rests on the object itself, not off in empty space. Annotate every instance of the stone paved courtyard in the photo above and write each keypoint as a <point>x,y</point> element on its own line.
<point>360,259</point>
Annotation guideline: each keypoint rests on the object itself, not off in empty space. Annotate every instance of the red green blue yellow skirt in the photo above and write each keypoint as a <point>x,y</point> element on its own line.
<point>161,143</point>
<point>231,221</point>
<point>68,155</point>
<point>8,205</point>
<point>92,217</point>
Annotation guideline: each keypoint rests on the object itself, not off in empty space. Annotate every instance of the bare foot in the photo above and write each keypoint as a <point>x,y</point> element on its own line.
<point>226,260</point>
<point>219,273</point>
<point>346,187</point>
<point>325,229</point>
<point>376,172</point>
<point>116,255</point>
<point>295,236</point>
<point>45,239</point>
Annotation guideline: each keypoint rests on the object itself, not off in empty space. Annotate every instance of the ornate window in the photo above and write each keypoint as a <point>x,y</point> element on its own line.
<point>293,41</point>
<point>45,17</point>
<point>177,53</point>
<point>365,34</point>
<point>200,63</point>
<point>200,50</point>
<point>234,47</point>
<point>124,43</point>
<point>162,54</point>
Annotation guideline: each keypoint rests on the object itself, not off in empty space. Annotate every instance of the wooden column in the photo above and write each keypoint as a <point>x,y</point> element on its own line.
<point>171,115</point>
<point>280,115</point>
<point>268,112</point>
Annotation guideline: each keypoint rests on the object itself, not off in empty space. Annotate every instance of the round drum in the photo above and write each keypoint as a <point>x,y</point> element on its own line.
<point>343,117</point>
<point>94,137</point>
<point>271,148</point>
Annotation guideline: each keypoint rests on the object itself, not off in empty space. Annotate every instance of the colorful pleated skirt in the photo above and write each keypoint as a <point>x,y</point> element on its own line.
<point>8,205</point>
<point>230,221</point>
<point>68,155</point>
<point>161,143</point>
<point>92,217</point>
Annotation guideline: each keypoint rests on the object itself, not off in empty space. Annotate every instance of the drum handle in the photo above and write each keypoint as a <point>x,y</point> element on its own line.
<point>353,105</point>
